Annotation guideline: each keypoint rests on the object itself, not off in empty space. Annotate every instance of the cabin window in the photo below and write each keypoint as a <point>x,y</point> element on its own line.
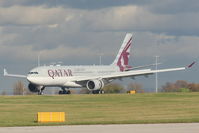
<point>33,73</point>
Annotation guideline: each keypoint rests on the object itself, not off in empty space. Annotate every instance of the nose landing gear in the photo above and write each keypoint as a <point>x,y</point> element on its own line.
<point>40,91</point>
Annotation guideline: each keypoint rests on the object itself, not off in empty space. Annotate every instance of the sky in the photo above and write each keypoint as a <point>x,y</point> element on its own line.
<point>76,32</point>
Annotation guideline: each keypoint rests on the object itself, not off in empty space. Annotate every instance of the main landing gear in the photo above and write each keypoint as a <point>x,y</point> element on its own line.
<point>98,92</point>
<point>64,91</point>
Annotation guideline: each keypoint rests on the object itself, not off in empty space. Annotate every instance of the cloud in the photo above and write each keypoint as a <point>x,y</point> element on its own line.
<point>165,46</point>
<point>120,18</point>
<point>80,4</point>
<point>163,7</point>
<point>135,18</point>
<point>21,15</point>
<point>53,25</point>
<point>173,6</point>
<point>28,53</point>
<point>45,28</point>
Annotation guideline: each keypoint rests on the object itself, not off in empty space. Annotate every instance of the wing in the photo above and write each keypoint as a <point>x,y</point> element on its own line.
<point>133,73</point>
<point>5,73</point>
<point>139,67</point>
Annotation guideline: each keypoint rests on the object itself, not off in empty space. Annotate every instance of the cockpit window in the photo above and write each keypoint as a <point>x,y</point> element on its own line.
<point>33,73</point>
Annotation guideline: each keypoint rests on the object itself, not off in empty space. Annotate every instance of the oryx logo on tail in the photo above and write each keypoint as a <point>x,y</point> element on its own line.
<point>122,58</point>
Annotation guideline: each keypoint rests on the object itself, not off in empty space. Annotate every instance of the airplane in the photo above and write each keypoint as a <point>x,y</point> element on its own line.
<point>92,77</point>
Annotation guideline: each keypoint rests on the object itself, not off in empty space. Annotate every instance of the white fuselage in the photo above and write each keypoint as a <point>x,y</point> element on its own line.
<point>63,75</point>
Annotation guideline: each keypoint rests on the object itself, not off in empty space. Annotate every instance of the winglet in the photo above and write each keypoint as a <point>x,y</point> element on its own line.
<point>189,66</point>
<point>5,72</point>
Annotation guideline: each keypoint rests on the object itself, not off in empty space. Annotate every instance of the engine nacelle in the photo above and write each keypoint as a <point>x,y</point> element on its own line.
<point>33,88</point>
<point>95,84</point>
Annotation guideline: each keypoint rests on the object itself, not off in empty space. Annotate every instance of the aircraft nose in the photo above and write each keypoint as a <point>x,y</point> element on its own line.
<point>30,79</point>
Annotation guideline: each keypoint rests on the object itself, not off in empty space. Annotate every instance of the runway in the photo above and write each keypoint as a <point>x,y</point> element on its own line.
<point>127,128</point>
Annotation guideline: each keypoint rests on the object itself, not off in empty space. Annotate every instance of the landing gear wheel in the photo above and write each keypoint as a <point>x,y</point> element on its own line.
<point>68,92</point>
<point>40,91</point>
<point>98,92</point>
<point>60,92</point>
<point>101,92</point>
<point>64,91</point>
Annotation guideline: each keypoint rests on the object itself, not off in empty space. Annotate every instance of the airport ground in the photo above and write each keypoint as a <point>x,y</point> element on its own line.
<point>101,109</point>
<point>129,128</point>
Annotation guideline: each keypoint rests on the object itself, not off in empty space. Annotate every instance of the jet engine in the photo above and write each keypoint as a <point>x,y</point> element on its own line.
<point>33,88</point>
<point>95,84</point>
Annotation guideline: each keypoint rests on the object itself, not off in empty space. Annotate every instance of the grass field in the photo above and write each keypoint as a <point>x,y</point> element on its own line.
<point>102,109</point>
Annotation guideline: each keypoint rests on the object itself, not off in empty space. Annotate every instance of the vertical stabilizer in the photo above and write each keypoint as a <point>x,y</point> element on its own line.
<point>122,58</point>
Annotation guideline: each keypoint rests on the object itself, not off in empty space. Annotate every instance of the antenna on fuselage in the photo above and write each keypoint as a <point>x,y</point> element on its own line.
<point>100,58</point>
<point>38,59</point>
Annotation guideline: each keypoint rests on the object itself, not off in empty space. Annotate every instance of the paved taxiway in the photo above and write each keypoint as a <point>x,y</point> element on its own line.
<point>129,128</point>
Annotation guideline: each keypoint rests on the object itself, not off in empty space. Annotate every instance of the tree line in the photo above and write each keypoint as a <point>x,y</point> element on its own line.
<point>178,86</point>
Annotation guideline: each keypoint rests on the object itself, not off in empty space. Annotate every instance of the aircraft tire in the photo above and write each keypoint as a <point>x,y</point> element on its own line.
<point>98,92</point>
<point>64,92</point>
<point>60,92</point>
